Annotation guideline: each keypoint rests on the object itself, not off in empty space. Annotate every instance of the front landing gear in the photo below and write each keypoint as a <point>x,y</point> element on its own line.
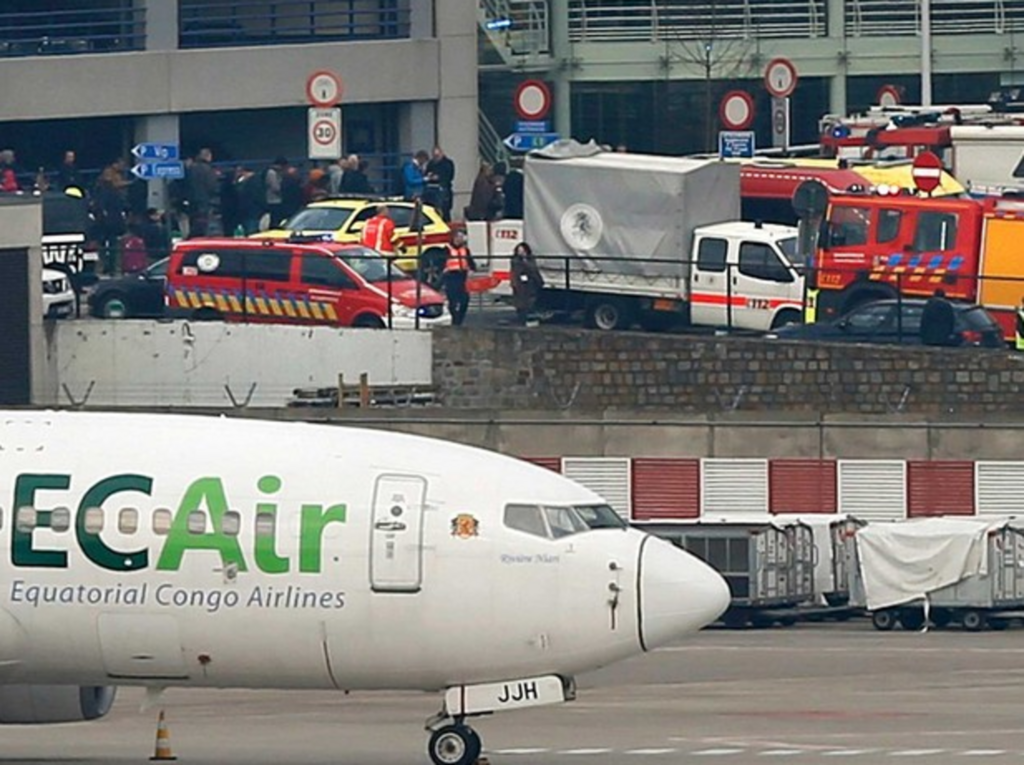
<point>454,744</point>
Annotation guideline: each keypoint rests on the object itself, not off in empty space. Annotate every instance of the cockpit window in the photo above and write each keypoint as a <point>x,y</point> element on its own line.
<point>564,521</point>
<point>600,517</point>
<point>527,518</point>
<point>549,521</point>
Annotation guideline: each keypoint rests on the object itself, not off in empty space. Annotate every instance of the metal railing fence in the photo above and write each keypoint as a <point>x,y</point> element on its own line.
<point>882,18</point>
<point>668,20</point>
<point>226,23</point>
<point>106,26</point>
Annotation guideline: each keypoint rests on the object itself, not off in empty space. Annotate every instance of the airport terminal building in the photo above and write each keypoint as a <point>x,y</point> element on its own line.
<point>99,76</point>
<point>651,74</point>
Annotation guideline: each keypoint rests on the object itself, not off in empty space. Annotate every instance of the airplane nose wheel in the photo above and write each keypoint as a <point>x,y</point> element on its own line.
<point>455,744</point>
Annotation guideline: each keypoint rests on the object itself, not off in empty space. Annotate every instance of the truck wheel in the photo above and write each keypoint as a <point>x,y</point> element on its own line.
<point>608,314</point>
<point>884,620</point>
<point>369,321</point>
<point>784,318</point>
<point>973,621</point>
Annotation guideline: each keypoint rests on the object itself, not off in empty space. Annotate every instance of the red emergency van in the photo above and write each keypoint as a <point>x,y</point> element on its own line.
<point>289,282</point>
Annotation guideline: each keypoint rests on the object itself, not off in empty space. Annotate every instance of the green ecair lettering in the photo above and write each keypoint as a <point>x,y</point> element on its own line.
<point>206,494</point>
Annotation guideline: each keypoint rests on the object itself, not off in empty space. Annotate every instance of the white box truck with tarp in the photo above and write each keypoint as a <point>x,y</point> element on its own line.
<point>633,238</point>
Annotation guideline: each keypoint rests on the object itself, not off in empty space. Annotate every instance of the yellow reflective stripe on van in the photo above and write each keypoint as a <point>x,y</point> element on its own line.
<point>234,302</point>
<point>314,308</point>
<point>275,306</point>
<point>303,308</point>
<point>329,310</point>
<point>289,307</point>
<point>222,303</point>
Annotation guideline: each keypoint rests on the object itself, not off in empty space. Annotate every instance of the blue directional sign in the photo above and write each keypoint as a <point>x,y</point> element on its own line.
<point>735,143</point>
<point>150,170</point>
<point>530,141</point>
<point>162,152</point>
<point>533,126</point>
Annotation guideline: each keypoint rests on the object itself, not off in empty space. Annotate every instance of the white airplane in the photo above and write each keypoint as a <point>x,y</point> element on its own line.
<point>158,550</point>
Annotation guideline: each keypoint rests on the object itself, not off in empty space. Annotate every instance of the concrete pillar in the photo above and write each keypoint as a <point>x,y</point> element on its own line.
<point>837,32</point>
<point>161,23</point>
<point>421,18</point>
<point>21,233</point>
<point>158,128</point>
<point>561,72</point>
<point>458,109</point>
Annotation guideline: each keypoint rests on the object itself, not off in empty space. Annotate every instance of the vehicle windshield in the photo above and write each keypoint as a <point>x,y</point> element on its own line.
<point>319,219</point>
<point>159,269</point>
<point>791,251</point>
<point>368,263</point>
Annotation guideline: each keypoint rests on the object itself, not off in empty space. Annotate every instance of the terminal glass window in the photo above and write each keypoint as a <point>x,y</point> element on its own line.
<point>935,231</point>
<point>848,226</point>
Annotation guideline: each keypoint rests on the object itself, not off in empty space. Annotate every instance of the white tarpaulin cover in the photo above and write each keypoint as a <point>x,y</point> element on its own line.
<point>902,562</point>
<point>593,206</point>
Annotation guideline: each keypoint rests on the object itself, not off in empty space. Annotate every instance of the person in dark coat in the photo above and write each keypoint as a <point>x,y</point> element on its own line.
<point>354,180</point>
<point>441,174</point>
<point>937,320</point>
<point>527,281</point>
<point>513,193</point>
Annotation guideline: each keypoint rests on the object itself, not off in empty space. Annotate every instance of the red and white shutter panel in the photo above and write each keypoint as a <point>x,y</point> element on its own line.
<point>607,476</point>
<point>801,486</point>
<point>939,487</point>
<point>732,487</point>
<point>551,463</point>
<point>873,490</point>
<point>1000,488</point>
<point>665,489</point>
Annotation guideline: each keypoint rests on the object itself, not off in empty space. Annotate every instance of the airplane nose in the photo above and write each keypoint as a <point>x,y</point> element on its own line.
<point>679,593</point>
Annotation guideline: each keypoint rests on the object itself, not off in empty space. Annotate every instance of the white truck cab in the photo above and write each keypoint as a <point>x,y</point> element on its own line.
<point>58,295</point>
<point>746,275</point>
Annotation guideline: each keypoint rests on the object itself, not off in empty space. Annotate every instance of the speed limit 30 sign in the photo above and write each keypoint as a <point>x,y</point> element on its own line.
<point>324,133</point>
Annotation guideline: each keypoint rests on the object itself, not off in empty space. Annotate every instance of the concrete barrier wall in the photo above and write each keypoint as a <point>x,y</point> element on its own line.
<point>212,364</point>
<point>560,434</point>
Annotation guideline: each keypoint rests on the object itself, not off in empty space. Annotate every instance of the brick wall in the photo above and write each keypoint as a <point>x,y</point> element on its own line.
<point>580,370</point>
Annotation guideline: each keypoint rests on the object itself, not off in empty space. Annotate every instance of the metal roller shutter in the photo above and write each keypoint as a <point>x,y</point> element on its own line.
<point>1000,488</point>
<point>608,476</point>
<point>940,487</point>
<point>873,490</point>
<point>551,463</point>
<point>731,486</point>
<point>802,486</point>
<point>665,489</point>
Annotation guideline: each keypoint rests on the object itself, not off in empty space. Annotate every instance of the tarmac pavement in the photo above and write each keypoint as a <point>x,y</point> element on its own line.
<point>810,694</point>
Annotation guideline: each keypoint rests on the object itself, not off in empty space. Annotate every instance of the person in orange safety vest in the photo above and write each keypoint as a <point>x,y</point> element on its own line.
<point>456,271</point>
<point>379,232</point>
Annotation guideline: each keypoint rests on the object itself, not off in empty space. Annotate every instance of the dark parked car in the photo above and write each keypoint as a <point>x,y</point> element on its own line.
<point>892,321</point>
<point>137,296</point>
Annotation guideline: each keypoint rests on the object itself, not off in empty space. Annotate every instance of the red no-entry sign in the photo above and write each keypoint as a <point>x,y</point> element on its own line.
<point>927,172</point>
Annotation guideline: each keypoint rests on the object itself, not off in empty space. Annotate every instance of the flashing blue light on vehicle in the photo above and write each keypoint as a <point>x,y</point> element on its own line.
<point>840,131</point>
<point>496,24</point>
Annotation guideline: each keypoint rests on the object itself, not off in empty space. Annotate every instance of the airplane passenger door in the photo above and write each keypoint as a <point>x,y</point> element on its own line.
<point>396,544</point>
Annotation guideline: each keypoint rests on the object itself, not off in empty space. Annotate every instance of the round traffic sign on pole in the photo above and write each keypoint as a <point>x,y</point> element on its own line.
<point>323,89</point>
<point>888,95</point>
<point>736,111</point>
<point>533,100</point>
<point>926,172</point>
<point>780,77</point>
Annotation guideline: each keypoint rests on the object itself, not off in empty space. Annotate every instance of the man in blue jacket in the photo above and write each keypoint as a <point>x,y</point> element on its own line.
<point>412,175</point>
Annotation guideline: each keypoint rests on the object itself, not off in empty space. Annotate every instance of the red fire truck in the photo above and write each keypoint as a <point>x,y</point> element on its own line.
<point>875,246</point>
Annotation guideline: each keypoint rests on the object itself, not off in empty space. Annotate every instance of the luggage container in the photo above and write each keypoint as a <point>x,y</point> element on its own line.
<point>987,592</point>
<point>769,565</point>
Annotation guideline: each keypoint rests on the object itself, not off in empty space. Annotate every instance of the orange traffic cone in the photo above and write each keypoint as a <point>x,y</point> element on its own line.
<point>163,742</point>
